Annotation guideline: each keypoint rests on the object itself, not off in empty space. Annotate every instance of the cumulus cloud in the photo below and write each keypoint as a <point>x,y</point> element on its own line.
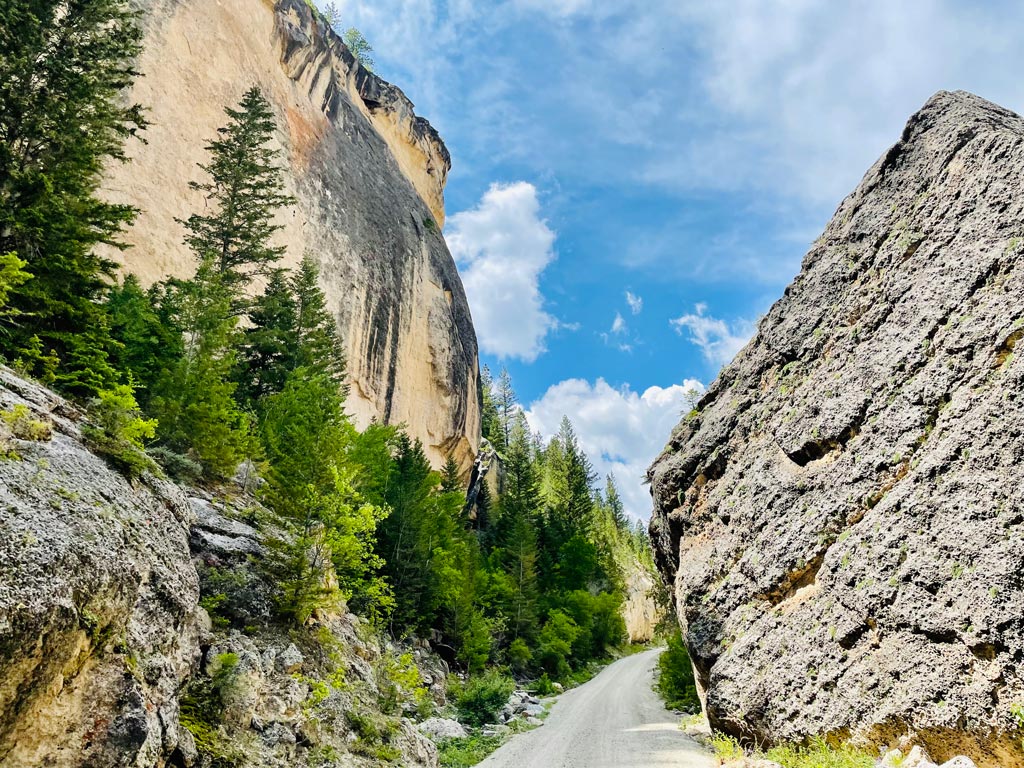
<point>620,430</point>
<point>618,324</point>
<point>636,303</point>
<point>718,340</point>
<point>502,246</point>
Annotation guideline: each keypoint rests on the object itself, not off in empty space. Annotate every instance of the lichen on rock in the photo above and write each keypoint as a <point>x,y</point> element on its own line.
<point>841,519</point>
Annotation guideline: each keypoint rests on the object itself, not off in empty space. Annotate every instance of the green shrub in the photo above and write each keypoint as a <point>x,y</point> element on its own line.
<point>675,676</point>
<point>24,426</point>
<point>818,754</point>
<point>556,641</point>
<point>202,711</point>
<point>544,686</point>
<point>480,699</point>
<point>177,465</point>
<point>117,429</point>
<point>463,753</point>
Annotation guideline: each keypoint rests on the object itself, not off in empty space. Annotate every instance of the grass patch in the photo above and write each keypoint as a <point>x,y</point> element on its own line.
<point>463,753</point>
<point>816,754</point>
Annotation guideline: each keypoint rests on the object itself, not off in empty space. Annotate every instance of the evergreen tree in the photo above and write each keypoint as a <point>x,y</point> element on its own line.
<point>245,190</point>
<point>422,541</point>
<point>148,344</point>
<point>489,422</point>
<point>193,400</point>
<point>317,345</point>
<point>310,485</point>
<point>268,344</point>
<point>290,329</point>
<point>614,502</point>
<point>64,71</point>
<point>506,405</point>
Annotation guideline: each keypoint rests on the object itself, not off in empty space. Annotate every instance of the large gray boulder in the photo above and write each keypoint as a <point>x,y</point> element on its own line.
<point>98,601</point>
<point>842,517</point>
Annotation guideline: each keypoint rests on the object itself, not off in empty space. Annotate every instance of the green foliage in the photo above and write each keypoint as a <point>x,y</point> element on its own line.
<point>556,641</point>
<point>12,274</point>
<point>675,676</point>
<point>117,429</point>
<point>423,542</point>
<point>376,735</point>
<point>24,426</point>
<point>147,343</point>
<point>310,485</point>
<point>467,752</point>
<point>177,466</point>
<point>192,400</point>
<point>244,191</point>
<point>818,754</point>
<point>398,680</point>
<point>63,116</point>
<point>359,46</point>
<point>202,712</point>
<point>481,697</point>
<point>290,328</point>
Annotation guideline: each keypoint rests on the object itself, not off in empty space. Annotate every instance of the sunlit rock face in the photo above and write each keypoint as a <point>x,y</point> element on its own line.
<point>842,519</point>
<point>368,178</point>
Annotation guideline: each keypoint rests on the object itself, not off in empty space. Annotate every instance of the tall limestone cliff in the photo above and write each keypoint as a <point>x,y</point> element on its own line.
<point>842,518</point>
<point>368,177</point>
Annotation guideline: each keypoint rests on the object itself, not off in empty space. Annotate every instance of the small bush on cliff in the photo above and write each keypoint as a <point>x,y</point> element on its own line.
<point>675,676</point>
<point>359,46</point>
<point>117,429</point>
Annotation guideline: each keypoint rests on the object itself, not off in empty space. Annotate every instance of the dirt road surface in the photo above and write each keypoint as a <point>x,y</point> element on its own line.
<point>614,721</point>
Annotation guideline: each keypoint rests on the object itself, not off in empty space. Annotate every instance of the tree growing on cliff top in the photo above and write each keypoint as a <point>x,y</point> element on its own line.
<point>359,46</point>
<point>64,70</point>
<point>245,191</point>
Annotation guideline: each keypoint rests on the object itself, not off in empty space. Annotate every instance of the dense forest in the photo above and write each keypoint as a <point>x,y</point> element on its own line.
<point>240,365</point>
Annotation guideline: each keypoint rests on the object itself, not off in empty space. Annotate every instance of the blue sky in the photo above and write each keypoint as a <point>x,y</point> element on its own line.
<point>685,153</point>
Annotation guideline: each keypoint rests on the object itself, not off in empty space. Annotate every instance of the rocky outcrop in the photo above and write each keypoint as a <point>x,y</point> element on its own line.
<point>367,175</point>
<point>842,518</point>
<point>137,626</point>
<point>99,624</point>
<point>640,610</point>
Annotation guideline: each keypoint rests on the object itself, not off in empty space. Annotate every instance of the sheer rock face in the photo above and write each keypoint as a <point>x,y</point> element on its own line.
<point>842,519</point>
<point>368,177</point>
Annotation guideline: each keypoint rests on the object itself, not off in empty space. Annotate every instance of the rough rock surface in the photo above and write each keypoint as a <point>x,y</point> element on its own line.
<point>640,610</point>
<point>98,602</point>
<point>368,178</point>
<point>842,517</point>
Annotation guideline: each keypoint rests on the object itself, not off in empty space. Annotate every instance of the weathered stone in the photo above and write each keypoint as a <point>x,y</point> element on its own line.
<point>98,602</point>
<point>842,519</point>
<point>289,660</point>
<point>959,762</point>
<point>367,176</point>
<point>442,728</point>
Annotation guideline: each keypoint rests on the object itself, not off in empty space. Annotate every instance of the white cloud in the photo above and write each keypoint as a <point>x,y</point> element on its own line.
<point>620,430</point>
<point>502,246</point>
<point>618,324</point>
<point>636,303</point>
<point>718,340</point>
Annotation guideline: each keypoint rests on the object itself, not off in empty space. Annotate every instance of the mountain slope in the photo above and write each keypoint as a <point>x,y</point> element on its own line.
<point>842,518</point>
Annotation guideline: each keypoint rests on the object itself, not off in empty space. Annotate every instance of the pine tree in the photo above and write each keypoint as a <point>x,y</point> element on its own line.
<point>489,422</point>
<point>615,506</point>
<point>317,345</point>
<point>193,400</point>
<point>64,70</point>
<point>268,344</point>
<point>148,345</point>
<point>245,190</point>
<point>290,329</point>
<point>506,405</point>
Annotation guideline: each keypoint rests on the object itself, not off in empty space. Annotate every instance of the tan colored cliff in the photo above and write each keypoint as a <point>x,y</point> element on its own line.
<point>368,177</point>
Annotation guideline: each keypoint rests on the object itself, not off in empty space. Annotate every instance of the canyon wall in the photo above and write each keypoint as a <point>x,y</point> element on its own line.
<point>368,177</point>
<point>842,518</point>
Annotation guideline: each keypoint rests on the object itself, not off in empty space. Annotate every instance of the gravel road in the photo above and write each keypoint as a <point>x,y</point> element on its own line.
<point>613,721</point>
